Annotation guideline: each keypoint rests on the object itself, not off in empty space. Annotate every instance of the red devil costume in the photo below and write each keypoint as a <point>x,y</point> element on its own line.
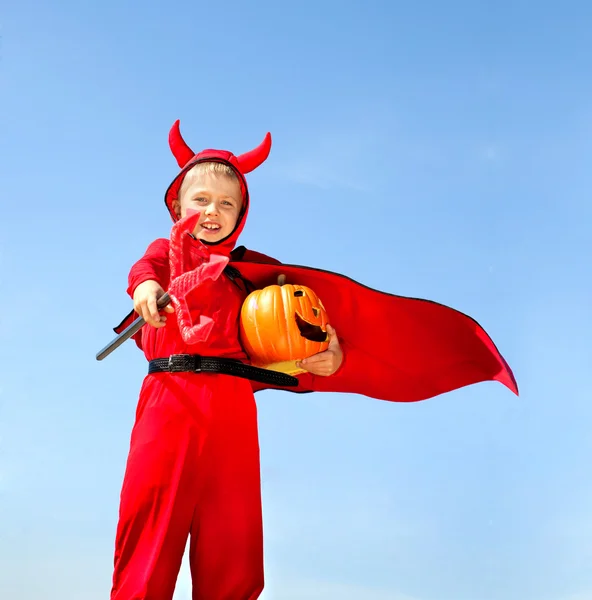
<point>193,467</point>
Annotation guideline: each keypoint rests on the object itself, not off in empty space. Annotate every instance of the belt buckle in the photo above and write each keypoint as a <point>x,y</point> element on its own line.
<point>174,366</point>
<point>183,363</point>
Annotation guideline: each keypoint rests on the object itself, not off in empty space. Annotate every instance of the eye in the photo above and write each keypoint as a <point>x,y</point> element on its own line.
<point>315,312</point>
<point>299,293</point>
<point>200,199</point>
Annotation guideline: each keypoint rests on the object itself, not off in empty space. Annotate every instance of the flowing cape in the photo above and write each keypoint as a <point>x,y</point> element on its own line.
<point>396,348</point>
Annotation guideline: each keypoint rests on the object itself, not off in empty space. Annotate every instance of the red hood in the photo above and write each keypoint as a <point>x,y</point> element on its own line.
<point>242,164</point>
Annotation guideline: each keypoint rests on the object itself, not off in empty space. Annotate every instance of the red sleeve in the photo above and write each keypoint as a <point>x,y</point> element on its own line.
<point>153,265</point>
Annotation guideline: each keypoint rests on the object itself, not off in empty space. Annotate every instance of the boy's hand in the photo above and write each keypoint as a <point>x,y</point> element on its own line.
<point>145,297</point>
<point>325,363</point>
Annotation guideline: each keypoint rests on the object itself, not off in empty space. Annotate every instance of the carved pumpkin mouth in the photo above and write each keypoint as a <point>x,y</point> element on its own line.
<point>311,332</point>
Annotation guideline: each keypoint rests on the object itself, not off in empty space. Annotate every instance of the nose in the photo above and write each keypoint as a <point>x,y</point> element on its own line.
<point>211,208</point>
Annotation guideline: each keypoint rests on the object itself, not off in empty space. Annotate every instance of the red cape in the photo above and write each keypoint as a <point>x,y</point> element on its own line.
<point>395,348</point>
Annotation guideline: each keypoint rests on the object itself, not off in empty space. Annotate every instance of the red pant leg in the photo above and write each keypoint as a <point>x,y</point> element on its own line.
<point>158,497</point>
<point>226,551</point>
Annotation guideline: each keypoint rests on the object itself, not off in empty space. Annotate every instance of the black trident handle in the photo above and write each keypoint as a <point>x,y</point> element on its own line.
<point>130,330</point>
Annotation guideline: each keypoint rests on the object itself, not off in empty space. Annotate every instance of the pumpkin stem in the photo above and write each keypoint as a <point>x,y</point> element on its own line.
<point>281,279</point>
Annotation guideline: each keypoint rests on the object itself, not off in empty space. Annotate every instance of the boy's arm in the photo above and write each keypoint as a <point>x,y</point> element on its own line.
<point>153,266</point>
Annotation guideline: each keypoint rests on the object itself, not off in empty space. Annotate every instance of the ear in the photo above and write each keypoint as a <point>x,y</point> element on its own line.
<point>177,207</point>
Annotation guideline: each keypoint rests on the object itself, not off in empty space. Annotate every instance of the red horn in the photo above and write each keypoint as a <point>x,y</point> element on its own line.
<point>249,161</point>
<point>181,151</point>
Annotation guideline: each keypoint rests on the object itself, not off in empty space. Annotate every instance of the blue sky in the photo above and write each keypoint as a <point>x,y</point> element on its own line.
<point>429,149</point>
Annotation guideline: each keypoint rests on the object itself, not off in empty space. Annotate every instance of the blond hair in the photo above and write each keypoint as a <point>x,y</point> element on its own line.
<point>212,168</point>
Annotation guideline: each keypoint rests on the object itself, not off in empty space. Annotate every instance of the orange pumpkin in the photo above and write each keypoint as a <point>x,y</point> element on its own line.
<point>281,324</point>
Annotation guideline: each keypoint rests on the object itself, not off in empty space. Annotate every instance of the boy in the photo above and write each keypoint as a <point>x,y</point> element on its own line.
<point>193,466</point>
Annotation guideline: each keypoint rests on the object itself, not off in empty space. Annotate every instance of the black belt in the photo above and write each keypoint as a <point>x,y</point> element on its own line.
<point>193,363</point>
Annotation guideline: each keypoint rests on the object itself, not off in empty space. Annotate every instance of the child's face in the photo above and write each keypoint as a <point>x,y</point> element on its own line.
<point>219,200</point>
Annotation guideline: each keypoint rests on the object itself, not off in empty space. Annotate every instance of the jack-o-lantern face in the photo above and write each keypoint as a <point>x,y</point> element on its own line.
<point>283,323</point>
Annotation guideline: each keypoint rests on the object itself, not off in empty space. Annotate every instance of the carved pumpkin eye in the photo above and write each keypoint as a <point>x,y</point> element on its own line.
<point>298,293</point>
<point>315,312</point>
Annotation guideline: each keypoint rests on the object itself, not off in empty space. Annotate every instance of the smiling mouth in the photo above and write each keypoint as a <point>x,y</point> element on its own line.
<point>213,227</point>
<point>311,332</point>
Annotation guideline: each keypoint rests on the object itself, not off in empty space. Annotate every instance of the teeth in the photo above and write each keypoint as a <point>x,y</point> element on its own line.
<point>210,226</point>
